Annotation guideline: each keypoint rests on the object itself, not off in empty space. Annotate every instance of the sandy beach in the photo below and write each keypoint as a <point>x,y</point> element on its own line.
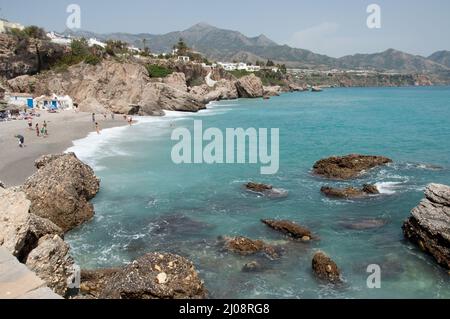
<point>16,164</point>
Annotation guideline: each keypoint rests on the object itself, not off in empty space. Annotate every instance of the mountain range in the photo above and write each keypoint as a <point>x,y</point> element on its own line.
<point>227,45</point>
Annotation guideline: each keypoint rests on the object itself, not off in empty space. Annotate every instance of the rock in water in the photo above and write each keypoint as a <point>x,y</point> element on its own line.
<point>292,230</point>
<point>325,268</point>
<point>94,281</point>
<point>349,166</point>
<point>51,261</point>
<point>253,266</point>
<point>250,86</point>
<point>266,190</point>
<point>245,246</point>
<point>60,190</point>
<point>350,192</point>
<point>19,229</point>
<point>156,276</point>
<point>429,224</point>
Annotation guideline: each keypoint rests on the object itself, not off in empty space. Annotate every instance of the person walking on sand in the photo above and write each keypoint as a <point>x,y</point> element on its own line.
<point>30,123</point>
<point>130,120</point>
<point>45,128</point>
<point>93,117</point>
<point>37,130</point>
<point>21,140</point>
<point>97,128</point>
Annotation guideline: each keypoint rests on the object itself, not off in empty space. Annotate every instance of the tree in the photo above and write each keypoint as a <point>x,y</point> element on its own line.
<point>270,63</point>
<point>181,47</point>
<point>146,50</point>
<point>116,47</point>
<point>79,47</point>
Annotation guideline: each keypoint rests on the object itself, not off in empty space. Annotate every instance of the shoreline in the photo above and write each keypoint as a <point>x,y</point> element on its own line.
<point>17,164</point>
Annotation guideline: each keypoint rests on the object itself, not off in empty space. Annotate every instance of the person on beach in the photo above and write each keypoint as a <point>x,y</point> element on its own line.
<point>93,117</point>
<point>45,128</point>
<point>37,130</point>
<point>112,116</point>
<point>97,128</point>
<point>21,140</point>
<point>30,123</point>
<point>130,120</point>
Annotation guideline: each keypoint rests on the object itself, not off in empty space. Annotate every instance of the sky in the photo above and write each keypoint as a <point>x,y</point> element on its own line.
<point>332,27</point>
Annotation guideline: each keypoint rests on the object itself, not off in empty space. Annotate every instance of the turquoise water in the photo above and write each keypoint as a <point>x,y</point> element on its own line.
<point>147,203</point>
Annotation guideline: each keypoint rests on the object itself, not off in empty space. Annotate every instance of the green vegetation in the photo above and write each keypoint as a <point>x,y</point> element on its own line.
<point>115,48</point>
<point>80,52</point>
<point>270,78</point>
<point>31,35</point>
<point>158,71</point>
<point>240,73</point>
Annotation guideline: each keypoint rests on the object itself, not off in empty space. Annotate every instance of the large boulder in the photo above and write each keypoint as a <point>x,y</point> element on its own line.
<point>246,246</point>
<point>61,189</point>
<point>250,86</point>
<point>20,230</point>
<point>93,282</point>
<point>272,90</point>
<point>222,90</point>
<point>176,80</point>
<point>290,229</point>
<point>429,224</point>
<point>350,192</point>
<point>325,268</point>
<point>156,276</point>
<point>266,190</point>
<point>51,261</point>
<point>348,167</point>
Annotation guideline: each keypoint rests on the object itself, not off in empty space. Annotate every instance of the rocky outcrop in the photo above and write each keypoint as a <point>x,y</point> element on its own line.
<point>290,229</point>
<point>156,276</point>
<point>51,261</point>
<point>272,90</point>
<point>325,268</point>
<point>20,230</point>
<point>348,167</point>
<point>61,189</point>
<point>266,190</point>
<point>350,192</point>
<point>250,86</point>
<point>123,88</point>
<point>222,90</point>
<point>245,246</point>
<point>429,224</point>
<point>18,57</point>
<point>93,282</point>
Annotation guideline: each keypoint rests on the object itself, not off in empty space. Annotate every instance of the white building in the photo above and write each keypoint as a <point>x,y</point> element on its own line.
<point>5,25</point>
<point>62,102</point>
<point>59,39</point>
<point>20,99</point>
<point>93,41</point>
<point>183,58</point>
<point>239,66</point>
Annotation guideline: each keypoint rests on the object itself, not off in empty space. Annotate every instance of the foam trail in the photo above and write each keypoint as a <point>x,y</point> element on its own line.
<point>388,188</point>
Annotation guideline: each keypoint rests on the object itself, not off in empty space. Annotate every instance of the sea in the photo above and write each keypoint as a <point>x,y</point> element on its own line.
<point>148,203</point>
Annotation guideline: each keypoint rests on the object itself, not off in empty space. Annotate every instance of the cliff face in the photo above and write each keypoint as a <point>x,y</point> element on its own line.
<point>19,57</point>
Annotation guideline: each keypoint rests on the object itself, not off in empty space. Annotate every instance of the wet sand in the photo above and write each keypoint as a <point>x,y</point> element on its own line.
<point>17,164</point>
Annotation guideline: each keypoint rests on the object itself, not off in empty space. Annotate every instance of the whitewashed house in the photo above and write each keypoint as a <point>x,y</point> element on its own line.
<point>20,99</point>
<point>93,41</point>
<point>241,66</point>
<point>59,39</point>
<point>62,102</point>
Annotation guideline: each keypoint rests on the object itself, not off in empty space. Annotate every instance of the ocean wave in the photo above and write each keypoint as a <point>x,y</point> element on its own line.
<point>388,188</point>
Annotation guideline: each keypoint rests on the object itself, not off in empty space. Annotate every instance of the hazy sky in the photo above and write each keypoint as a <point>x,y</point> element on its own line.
<point>335,28</point>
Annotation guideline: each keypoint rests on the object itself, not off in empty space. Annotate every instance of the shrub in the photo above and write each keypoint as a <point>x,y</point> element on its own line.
<point>92,59</point>
<point>158,71</point>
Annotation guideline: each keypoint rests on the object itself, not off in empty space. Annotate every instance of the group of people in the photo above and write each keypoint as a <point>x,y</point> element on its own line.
<point>40,131</point>
<point>129,119</point>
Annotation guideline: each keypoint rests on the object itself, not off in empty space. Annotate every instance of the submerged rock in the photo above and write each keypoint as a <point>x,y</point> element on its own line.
<point>291,229</point>
<point>266,190</point>
<point>51,261</point>
<point>60,190</point>
<point>429,224</point>
<point>348,167</point>
<point>156,276</point>
<point>325,268</point>
<point>20,230</point>
<point>350,192</point>
<point>245,246</point>
<point>364,224</point>
<point>253,266</point>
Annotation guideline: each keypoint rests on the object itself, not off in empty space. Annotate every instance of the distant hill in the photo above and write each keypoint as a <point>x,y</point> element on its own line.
<point>442,57</point>
<point>227,45</point>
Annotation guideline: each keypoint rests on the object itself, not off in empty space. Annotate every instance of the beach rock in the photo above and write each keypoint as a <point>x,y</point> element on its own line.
<point>156,276</point>
<point>2,185</point>
<point>245,246</point>
<point>364,224</point>
<point>253,266</point>
<point>266,190</point>
<point>222,90</point>
<point>296,88</point>
<point>272,90</point>
<point>60,190</point>
<point>350,192</point>
<point>51,261</point>
<point>20,230</point>
<point>429,224</point>
<point>348,167</point>
<point>176,80</point>
<point>250,86</point>
<point>93,282</point>
<point>291,229</point>
<point>325,268</point>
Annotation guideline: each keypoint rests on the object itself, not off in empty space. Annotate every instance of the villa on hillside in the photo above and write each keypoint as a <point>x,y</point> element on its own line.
<point>5,25</point>
<point>239,66</point>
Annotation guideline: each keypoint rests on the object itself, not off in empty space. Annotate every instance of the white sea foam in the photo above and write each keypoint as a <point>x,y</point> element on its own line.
<point>388,188</point>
